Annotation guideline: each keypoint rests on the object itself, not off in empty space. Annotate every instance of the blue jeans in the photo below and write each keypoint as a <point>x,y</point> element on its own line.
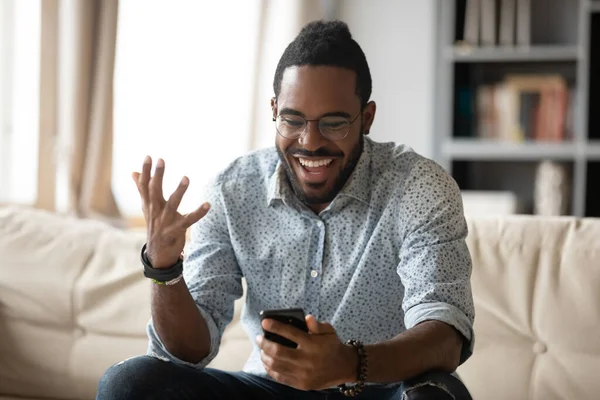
<point>149,378</point>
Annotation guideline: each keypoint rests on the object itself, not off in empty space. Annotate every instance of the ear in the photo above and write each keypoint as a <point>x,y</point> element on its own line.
<point>274,107</point>
<point>368,116</point>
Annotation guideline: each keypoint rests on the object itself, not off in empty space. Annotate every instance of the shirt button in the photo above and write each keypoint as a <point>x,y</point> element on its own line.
<point>314,273</point>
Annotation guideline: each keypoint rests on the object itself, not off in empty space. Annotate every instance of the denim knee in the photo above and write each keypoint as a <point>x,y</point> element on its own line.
<point>435,385</point>
<point>427,392</point>
<point>127,379</point>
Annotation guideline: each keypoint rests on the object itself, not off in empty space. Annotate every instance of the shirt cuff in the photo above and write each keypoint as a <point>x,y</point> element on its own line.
<point>447,313</point>
<point>156,347</point>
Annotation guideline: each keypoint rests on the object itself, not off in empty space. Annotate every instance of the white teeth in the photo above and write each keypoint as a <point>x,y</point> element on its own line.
<point>314,164</point>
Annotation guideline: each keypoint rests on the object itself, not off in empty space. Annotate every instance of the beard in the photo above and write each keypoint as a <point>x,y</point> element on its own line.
<point>340,180</point>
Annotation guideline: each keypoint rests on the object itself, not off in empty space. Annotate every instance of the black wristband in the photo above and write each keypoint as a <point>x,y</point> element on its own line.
<point>361,373</point>
<point>160,274</point>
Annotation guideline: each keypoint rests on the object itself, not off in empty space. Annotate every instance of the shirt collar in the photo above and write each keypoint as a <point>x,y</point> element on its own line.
<point>358,185</point>
<point>278,185</point>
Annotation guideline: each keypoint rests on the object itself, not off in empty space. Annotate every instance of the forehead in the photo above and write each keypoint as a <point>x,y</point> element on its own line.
<point>316,90</point>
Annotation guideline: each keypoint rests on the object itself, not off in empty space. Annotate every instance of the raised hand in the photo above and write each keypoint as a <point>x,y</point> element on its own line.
<point>166,227</point>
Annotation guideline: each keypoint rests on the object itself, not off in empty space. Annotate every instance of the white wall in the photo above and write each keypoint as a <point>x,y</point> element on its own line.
<point>398,38</point>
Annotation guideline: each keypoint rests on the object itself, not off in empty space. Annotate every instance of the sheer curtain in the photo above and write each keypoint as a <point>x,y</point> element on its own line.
<point>75,97</point>
<point>20,24</point>
<point>183,82</point>
<point>193,84</point>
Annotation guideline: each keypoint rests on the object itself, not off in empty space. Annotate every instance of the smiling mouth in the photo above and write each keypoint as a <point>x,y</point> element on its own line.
<point>313,170</point>
<point>314,164</point>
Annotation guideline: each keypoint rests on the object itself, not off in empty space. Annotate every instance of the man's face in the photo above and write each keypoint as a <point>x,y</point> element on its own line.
<point>317,167</point>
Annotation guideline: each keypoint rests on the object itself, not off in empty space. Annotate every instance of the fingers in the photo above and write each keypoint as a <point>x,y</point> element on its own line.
<point>279,364</point>
<point>283,364</point>
<point>315,327</point>
<point>136,178</point>
<point>141,180</point>
<point>150,188</point>
<point>175,198</point>
<point>156,182</point>
<point>312,324</point>
<point>195,216</point>
<point>285,330</point>
<point>276,351</point>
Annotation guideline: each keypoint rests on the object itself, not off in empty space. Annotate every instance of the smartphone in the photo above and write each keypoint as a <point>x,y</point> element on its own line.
<point>290,316</point>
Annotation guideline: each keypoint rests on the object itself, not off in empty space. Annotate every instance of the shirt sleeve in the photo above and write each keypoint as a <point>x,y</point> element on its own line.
<point>213,278</point>
<point>435,263</point>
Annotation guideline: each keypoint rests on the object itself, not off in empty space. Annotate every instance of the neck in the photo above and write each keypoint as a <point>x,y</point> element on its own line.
<point>317,208</point>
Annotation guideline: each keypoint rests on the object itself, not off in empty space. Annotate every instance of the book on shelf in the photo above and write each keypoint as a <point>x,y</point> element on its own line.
<point>519,108</point>
<point>497,22</point>
<point>471,27</point>
<point>523,23</point>
<point>507,22</point>
<point>488,23</point>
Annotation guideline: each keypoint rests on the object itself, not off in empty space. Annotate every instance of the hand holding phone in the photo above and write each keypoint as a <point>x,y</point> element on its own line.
<point>291,316</point>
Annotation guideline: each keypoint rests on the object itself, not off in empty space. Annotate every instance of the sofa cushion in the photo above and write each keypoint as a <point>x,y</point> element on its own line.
<point>536,286</point>
<point>72,302</point>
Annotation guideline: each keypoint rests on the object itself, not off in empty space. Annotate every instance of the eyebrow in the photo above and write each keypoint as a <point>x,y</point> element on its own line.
<point>291,111</point>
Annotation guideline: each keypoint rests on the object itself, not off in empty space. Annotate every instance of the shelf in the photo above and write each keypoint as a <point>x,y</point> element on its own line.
<point>512,54</point>
<point>489,150</point>
<point>592,150</point>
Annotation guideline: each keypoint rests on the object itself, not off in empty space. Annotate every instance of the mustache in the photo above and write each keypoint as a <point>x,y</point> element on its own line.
<point>318,153</point>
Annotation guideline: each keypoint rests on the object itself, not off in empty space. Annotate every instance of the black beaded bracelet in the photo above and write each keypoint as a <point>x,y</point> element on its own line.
<point>361,374</point>
<point>161,274</point>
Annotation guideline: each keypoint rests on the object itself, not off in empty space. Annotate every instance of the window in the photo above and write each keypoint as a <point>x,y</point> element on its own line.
<point>20,26</point>
<point>183,91</point>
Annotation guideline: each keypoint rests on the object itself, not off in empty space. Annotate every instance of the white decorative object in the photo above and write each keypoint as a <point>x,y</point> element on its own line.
<point>488,203</point>
<point>551,193</point>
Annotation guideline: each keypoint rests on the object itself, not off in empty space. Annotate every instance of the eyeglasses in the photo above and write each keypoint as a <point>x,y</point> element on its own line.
<point>292,126</point>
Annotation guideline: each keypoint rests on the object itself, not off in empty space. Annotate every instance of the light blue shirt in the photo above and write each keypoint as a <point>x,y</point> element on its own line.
<point>388,253</point>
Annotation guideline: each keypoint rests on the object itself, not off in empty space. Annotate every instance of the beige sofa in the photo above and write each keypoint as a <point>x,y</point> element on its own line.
<point>73,301</point>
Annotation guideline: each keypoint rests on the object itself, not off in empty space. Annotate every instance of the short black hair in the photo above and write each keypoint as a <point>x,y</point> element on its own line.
<point>327,43</point>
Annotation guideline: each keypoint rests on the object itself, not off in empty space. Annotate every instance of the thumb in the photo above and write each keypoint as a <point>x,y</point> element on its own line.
<point>318,328</point>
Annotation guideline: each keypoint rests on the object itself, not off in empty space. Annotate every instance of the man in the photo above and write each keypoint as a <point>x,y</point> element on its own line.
<point>367,238</point>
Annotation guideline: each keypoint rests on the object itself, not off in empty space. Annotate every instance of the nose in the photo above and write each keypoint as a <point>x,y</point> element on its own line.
<point>312,139</point>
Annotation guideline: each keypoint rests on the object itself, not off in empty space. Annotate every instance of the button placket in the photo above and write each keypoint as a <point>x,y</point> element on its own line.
<point>317,270</point>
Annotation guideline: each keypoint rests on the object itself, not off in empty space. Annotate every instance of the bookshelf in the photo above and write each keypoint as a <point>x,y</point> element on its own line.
<point>466,149</point>
<point>531,54</point>
<point>593,150</point>
<point>504,155</point>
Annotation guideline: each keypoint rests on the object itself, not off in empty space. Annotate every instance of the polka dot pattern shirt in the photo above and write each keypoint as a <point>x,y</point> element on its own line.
<point>388,253</point>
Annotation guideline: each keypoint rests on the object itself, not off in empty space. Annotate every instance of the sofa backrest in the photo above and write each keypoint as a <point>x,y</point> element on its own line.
<point>536,285</point>
<point>73,301</point>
